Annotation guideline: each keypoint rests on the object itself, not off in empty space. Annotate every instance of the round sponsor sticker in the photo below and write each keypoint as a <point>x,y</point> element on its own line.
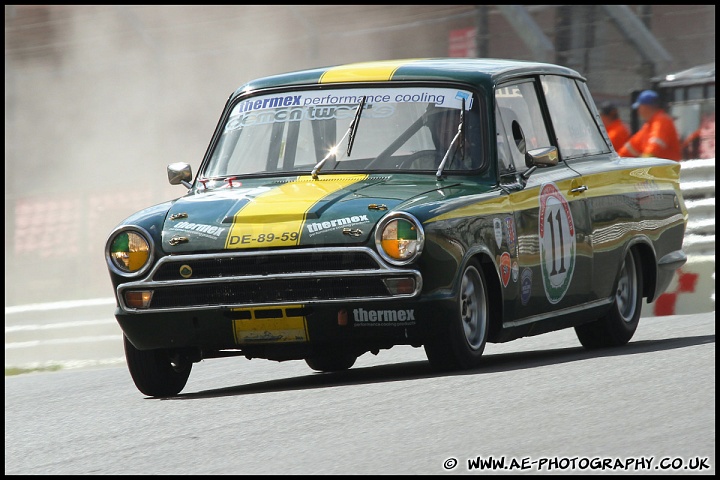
<point>557,242</point>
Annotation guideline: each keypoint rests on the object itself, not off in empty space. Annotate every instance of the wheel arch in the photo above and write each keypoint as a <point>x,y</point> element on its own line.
<point>494,292</point>
<point>648,265</point>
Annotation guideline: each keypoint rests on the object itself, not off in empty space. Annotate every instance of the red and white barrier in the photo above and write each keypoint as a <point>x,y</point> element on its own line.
<point>692,290</point>
<point>693,287</point>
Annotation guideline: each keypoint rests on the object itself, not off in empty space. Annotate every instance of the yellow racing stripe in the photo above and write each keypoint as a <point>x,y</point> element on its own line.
<point>276,218</point>
<point>363,72</point>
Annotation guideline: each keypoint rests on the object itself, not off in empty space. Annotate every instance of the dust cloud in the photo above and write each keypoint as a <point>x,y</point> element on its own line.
<point>100,99</point>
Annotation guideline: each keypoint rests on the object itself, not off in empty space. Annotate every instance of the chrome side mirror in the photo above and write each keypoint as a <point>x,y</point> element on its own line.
<point>179,173</point>
<point>540,157</point>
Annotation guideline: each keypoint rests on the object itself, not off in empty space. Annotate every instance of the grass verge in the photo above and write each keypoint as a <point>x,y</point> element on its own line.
<point>20,371</point>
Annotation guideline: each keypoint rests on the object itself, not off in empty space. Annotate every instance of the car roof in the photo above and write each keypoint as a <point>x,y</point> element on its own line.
<point>486,72</point>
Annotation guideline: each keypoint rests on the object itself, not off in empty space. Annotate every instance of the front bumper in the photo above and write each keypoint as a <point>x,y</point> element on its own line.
<point>289,331</point>
<point>277,304</point>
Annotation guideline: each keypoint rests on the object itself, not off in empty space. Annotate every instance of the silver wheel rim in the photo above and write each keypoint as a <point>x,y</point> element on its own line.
<point>626,294</point>
<point>473,311</point>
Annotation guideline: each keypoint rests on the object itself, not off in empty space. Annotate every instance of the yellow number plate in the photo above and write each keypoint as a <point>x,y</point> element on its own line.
<point>278,329</point>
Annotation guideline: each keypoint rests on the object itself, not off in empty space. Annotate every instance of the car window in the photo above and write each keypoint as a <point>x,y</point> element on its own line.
<point>575,127</point>
<point>399,128</point>
<point>522,120</point>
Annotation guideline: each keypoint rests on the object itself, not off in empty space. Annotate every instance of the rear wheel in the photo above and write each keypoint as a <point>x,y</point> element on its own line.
<point>157,373</point>
<point>459,341</point>
<point>619,325</point>
<point>331,361</point>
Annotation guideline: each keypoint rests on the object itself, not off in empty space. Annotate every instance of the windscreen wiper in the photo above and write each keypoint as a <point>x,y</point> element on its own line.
<point>459,135</point>
<point>352,129</point>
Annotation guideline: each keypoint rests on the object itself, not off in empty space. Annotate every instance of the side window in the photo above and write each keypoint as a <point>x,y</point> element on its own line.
<point>578,133</point>
<point>522,120</point>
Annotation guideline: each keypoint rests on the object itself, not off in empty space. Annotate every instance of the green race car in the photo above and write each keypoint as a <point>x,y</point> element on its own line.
<point>442,203</point>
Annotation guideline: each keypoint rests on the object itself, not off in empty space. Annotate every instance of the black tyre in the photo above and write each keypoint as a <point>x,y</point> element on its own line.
<point>459,342</point>
<point>619,325</point>
<point>157,373</point>
<point>331,361</point>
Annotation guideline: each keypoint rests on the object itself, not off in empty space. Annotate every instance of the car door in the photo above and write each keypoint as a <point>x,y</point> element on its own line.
<point>551,249</point>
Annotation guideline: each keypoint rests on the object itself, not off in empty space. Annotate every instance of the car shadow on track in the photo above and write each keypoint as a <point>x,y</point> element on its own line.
<point>492,363</point>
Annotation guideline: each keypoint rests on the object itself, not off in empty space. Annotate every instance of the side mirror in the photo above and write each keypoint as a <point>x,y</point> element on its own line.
<point>179,173</point>
<point>540,157</point>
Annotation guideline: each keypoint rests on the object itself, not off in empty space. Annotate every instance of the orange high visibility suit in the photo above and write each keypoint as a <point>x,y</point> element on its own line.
<point>619,133</point>
<point>657,138</point>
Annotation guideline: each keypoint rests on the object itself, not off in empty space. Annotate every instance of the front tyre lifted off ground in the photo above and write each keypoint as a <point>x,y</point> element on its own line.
<point>157,373</point>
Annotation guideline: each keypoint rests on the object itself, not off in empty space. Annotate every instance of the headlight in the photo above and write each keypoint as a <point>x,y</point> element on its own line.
<point>128,251</point>
<point>399,238</point>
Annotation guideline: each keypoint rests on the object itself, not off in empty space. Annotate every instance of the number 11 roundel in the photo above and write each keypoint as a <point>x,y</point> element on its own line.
<point>557,242</point>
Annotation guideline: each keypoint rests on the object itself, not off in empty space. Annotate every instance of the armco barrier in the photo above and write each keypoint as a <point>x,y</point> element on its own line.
<point>697,181</point>
<point>693,287</point>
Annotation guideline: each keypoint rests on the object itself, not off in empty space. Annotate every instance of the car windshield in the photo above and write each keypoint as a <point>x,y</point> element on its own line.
<point>401,128</point>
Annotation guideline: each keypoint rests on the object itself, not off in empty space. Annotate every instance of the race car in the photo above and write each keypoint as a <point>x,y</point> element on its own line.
<point>441,203</point>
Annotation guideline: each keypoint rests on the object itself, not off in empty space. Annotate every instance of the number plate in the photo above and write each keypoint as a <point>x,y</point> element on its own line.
<point>269,328</point>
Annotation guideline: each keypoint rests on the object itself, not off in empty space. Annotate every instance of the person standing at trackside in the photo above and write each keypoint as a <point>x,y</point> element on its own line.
<point>658,137</point>
<point>617,130</point>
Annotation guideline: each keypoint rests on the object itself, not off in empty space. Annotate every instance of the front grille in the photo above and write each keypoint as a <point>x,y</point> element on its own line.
<point>237,279</point>
<point>267,291</point>
<point>268,264</point>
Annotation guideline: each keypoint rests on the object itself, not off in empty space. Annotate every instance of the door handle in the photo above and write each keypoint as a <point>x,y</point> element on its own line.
<point>579,189</point>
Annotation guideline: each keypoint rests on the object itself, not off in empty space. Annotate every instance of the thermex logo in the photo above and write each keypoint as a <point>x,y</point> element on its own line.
<point>317,227</point>
<point>383,317</point>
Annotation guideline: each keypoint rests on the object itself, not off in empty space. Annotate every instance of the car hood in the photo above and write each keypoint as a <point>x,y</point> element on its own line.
<point>291,211</point>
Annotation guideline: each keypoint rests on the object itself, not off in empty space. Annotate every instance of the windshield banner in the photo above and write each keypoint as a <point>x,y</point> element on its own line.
<point>441,97</point>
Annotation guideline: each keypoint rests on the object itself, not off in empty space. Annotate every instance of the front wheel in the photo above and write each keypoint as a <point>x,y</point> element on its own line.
<point>459,341</point>
<point>157,373</point>
<point>619,325</point>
